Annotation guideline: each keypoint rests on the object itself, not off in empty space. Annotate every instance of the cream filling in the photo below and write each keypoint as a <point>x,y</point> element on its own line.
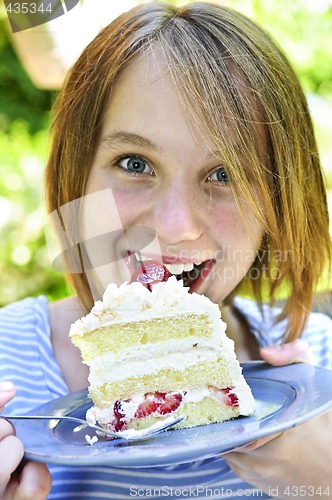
<point>105,415</point>
<point>151,358</point>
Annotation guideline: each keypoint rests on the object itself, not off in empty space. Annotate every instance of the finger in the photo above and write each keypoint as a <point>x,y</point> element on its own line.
<point>7,392</point>
<point>12,449</point>
<point>297,351</point>
<point>6,429</point>
<point>35,482</point>
<point>254,445</point>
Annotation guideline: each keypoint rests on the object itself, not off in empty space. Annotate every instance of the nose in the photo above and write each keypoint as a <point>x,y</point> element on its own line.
<point>178,214</point>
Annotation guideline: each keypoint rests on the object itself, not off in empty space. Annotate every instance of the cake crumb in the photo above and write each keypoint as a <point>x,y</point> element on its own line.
<point>91,440</point>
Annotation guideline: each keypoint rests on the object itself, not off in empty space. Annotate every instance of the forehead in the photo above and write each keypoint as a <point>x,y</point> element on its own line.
<point>145,101</point>
<point>153,91</point>
<point>144,81</point>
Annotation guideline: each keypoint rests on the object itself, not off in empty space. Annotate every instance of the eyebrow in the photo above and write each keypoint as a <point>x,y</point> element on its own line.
<point>118,139</point>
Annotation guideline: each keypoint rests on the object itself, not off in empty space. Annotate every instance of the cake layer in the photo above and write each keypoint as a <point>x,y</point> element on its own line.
<point>127,336</point>
<point>216,373</point>
<point>151,358</point>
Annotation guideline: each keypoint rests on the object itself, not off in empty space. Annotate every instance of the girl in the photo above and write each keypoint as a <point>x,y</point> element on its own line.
<point>189,122</point>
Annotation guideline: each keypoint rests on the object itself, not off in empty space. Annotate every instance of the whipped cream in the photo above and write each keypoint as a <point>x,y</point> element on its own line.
<point>133,302</point>
<point>146,359</point>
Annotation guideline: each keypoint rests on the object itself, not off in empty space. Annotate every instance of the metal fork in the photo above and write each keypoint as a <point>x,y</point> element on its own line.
<point>128,435</point>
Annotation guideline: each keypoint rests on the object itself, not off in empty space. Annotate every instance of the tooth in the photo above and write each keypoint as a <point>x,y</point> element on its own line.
<point>198,263</point>
<point>176,268</point>
<point>173,268</point>
<point>180,268</point>
<point>189,266</point>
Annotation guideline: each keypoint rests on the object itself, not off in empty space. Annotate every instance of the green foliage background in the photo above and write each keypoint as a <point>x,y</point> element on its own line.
<point>301,27</point>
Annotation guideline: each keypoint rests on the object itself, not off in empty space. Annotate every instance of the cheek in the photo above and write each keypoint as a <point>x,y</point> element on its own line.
<point>238,240</point>
<point>99,214</point>
<point>132,206</point>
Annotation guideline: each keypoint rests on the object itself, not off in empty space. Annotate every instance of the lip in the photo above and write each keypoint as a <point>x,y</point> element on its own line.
<point>130,261</point>
<point>204,275</point>
<point>178,260</point>
<point>165,259</point>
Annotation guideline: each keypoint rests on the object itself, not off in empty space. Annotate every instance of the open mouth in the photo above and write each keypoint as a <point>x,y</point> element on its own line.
<point>190,272</point>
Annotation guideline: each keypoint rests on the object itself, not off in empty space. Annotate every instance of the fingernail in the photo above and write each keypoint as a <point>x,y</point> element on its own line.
<point>6,386</point>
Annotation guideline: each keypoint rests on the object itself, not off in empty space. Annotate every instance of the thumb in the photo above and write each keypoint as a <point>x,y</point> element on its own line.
<point>297,351</point>
<point>7,392</point>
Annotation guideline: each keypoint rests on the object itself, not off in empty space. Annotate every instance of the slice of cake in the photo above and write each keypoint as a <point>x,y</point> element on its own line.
<point>155,350</point>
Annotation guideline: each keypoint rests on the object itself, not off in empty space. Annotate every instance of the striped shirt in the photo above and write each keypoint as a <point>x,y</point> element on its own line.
<point>27,359</point>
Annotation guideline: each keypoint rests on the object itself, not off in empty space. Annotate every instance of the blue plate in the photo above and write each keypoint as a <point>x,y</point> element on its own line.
<point>285,396</point>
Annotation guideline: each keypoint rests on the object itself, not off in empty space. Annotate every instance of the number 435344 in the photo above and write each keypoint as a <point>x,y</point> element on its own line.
<point>307,491</point>
<point>27,7</point>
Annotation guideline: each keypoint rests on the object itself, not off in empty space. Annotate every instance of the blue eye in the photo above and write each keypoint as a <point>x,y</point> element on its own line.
<point>135,164</point>
<point>219,175</point>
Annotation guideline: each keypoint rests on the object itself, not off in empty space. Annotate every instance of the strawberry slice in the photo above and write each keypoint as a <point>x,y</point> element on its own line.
<point>149,273</point>
<point>170,404</point>
<point>146,408</point>
<point>230,397</point>
<point>119,422</point>
<point>159,403</point>
<point>226,396</point>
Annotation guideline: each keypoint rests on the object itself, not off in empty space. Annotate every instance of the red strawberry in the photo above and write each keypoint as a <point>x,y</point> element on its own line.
<point>230,398</point>
<point>119,422</point>
<point>146,408</point>
<point>226,396</point>
<point>170,404</point>
<point>160,403</point>
<point>149,273</point>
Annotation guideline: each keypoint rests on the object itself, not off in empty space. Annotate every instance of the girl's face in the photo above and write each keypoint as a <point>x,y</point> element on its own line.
<point>154,167</point>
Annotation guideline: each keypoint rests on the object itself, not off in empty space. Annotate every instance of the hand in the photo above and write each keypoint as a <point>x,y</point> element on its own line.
<point>295,462</point>
<point>34,480</point>
<point>297,351</point>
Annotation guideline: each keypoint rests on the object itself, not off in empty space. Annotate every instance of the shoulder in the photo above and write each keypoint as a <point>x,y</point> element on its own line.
<point>23,314</point>
<point>262,321</point>
<point>26,354</point>
<point>318,334</point>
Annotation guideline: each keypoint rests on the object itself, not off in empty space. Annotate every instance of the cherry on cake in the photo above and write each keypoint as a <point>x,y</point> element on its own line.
<point>156,350</point>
